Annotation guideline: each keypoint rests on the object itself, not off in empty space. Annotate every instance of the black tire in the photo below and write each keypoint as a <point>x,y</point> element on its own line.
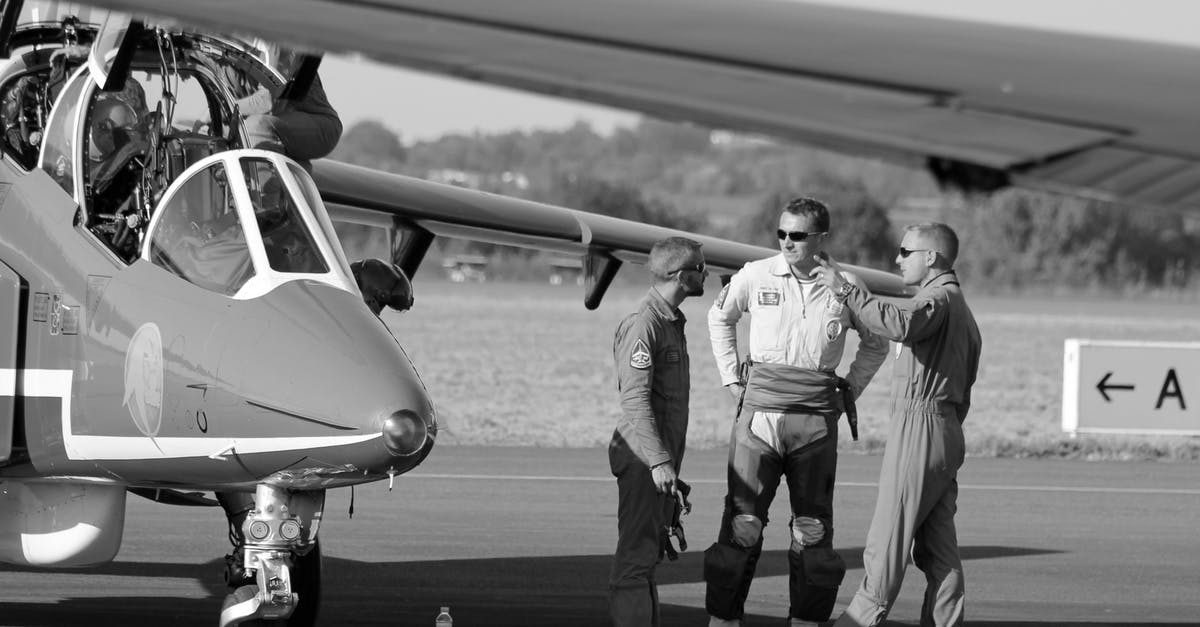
<point>306,582</point>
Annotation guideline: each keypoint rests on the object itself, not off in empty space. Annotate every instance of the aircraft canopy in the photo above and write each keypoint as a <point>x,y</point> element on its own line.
<point>242,222</point>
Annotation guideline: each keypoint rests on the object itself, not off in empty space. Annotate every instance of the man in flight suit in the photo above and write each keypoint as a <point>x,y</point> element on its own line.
<point>647,445</point>
<point>304,129</point>
<point>787,420</point>
<point>935,368</point>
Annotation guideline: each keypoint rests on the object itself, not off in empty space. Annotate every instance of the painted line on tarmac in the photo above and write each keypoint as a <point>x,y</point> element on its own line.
<point>1054,488</point>
<point>1085,489</point>
<point>847,484</point>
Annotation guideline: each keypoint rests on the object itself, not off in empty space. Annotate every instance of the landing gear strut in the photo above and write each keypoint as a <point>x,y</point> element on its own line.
<point>274,572</point>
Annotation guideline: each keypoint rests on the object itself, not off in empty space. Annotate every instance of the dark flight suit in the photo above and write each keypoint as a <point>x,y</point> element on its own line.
<point>918,485</point>
<point>652,376</point>
<point>304,129</point>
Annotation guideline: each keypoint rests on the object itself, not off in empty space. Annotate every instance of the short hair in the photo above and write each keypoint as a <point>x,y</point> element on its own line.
<point>804,206</point>
<point>670,255</point>
<point>941,237</point>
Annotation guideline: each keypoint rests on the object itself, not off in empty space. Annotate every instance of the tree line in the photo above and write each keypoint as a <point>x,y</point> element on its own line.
<point>691,178</point>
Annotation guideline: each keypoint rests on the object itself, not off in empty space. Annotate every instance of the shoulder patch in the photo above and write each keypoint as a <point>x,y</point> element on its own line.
<point>721,296</point>
<point>640,358</point>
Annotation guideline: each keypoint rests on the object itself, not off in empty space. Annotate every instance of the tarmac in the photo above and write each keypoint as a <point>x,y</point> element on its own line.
<point>523,536</point>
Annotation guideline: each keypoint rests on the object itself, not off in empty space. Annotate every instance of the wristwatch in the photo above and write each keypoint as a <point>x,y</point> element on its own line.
<point>844,292</point>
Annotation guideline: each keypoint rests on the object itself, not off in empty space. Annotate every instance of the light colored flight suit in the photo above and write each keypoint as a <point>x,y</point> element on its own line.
<point>918,485</point>
<point>798,329</point>
<point>650,353</point>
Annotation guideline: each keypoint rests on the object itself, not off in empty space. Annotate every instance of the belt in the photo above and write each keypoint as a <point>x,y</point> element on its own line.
<point>923,406</point>
<point>782,388</point>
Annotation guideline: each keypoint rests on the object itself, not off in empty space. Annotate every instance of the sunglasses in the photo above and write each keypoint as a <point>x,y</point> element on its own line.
<point>796,236</point>
<point>700,267</point>
<point>905,252</point>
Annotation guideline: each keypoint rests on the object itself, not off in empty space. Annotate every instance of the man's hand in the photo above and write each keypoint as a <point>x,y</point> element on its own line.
<point>257,103</point>
<point>828,272</point>
<point>664,477</point>
<point>736,390</point>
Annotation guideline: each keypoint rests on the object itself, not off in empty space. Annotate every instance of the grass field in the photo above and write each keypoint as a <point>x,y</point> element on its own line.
<point>526,364</point>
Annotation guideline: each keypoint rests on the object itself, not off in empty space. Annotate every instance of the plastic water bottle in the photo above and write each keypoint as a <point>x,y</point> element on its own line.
<point>443,618</point>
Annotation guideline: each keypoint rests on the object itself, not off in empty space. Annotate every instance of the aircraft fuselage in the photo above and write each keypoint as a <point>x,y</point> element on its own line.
<point>126,372</point>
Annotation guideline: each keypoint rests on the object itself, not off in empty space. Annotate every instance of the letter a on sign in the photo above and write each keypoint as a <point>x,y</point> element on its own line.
<point>1170,389</point>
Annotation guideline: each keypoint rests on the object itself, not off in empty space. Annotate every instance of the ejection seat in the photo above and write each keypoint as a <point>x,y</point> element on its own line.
<point>118,145</point>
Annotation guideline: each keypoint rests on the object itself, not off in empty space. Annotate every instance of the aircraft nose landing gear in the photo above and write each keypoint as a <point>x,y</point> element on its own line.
<point>275,570</point>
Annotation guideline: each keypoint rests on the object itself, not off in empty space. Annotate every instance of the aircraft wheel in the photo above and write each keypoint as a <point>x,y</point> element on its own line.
<point>306,582</point>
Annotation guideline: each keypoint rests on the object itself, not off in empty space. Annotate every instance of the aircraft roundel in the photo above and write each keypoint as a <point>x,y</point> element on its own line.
<point>144,379</point>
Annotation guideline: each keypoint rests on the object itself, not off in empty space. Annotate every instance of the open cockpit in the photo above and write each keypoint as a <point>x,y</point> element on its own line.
<point>140,124</point>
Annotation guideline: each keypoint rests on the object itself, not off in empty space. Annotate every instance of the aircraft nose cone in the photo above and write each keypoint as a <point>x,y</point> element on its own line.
<point>404,433</point>
<point>308,360</point>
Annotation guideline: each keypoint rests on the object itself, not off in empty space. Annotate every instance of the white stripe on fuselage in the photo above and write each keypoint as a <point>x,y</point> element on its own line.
<point>57,384</point>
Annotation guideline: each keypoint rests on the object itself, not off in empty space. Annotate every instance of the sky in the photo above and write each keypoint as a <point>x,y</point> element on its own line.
<point>424,106</point>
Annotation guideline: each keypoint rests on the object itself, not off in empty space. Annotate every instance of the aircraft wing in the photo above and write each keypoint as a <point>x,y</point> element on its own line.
<point>982,106</point>
<point>416,210</point>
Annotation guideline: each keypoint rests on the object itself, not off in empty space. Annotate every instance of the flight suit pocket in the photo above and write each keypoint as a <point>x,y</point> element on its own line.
<point>946,446</point>
<point>619,454</point>
<point>724,571</point>
<point>816,575</point>
<point>766,337</point>
<point>668,369</point>
<point>955,448</point>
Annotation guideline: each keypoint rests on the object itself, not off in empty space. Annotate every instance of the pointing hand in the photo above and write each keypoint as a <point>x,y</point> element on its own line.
<point>828,272</point>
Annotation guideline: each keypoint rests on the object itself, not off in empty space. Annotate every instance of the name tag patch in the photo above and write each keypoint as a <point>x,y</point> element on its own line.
<point>640,358</point>
<point>768,298</point>
<point>672,356</point>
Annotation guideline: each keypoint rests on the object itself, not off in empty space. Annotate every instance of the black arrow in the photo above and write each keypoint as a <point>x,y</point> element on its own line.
<point>1104,386</point>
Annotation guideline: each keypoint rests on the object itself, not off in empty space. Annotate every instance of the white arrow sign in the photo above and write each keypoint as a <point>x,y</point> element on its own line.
<point>1131,387</point>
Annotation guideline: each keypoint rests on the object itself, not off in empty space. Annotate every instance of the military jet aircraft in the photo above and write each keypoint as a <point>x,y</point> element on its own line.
<point>179,316</point>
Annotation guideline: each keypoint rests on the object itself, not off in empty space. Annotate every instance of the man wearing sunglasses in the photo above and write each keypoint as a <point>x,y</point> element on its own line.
<point>936,364</point>
<point>647,446</point>
<point>787,422</point>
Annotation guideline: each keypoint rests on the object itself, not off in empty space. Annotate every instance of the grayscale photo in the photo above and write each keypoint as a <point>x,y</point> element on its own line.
<point>606,313</point>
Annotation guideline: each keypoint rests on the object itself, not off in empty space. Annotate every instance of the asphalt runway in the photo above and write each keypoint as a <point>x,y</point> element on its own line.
<point>510,536</point>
